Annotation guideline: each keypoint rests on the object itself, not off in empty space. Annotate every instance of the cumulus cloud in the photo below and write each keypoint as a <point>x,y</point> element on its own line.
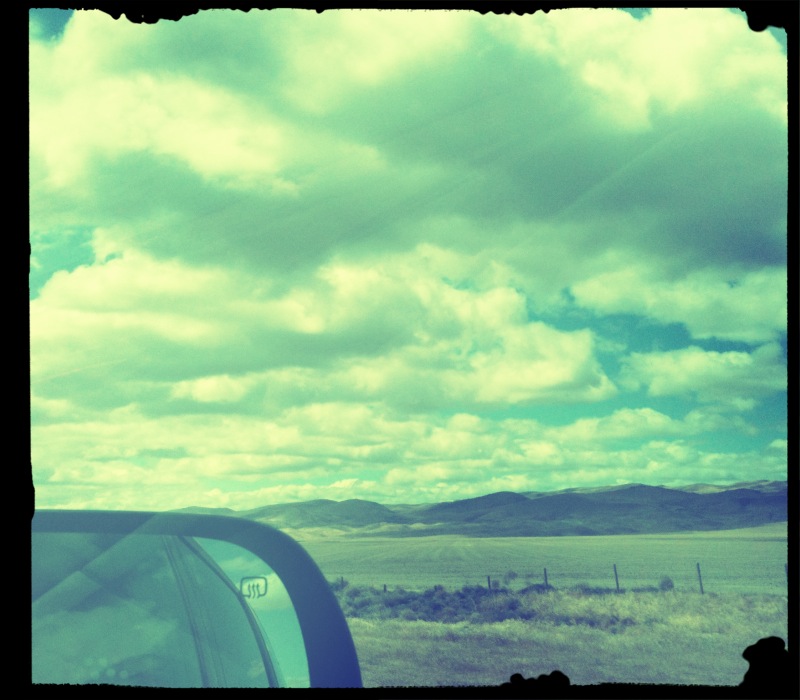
<point>218,389</point>
<point>639,69</point>
<point>749,307</point>
<point>735,378</point>
<point>385,332</point>
<point>641,423</point>
<point>343,179</point>
<point>333,55</point>
<point>325,448</point>
<point>394,271</point>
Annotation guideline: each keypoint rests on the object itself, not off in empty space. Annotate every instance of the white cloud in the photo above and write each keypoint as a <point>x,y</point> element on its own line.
<point>332,55</point>
<point>99,317</point>
<point>535,362</point>
<point>623,423</point>
<point>303,266</point>
<point>385,330</point>
<point>219,388</point>
<point>664,62</point>
<point>711,303</point>
<point>132,281</point>
<point>530,364</point>
<point>340,450</point>
<point>82,109</point>
<point>729,378</point>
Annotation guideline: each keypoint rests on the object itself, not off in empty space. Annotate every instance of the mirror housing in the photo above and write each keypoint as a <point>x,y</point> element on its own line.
<point>329,648</point>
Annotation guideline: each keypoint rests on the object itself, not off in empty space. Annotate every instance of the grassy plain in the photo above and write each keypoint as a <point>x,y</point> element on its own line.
<point>732,561</point>
<point>677,636</point>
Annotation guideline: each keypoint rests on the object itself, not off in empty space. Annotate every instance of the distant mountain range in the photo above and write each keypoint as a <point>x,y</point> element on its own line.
<point>613,510</point>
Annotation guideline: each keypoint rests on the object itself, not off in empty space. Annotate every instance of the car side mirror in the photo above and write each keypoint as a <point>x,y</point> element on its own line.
<point>180,600</point>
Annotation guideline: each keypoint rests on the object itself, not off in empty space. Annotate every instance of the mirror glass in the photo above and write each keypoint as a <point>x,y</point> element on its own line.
<point>156,610</point>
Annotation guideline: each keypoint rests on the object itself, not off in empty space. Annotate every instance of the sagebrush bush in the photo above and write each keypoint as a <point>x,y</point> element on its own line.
<point>477,604</point>
<point>583,607</point>
<point>645,637</point>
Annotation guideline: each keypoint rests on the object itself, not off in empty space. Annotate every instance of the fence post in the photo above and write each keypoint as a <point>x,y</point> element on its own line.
<point>545,577</point>
<point>384,588</point>
<point>700,579</point>
<point>616,578</point>
<point>489,583</point>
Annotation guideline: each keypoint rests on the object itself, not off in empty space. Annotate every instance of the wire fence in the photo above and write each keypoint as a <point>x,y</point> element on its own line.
<point>614,580</point>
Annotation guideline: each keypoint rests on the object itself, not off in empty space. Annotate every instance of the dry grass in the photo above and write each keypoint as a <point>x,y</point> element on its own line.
<point>733,561</point>
<point>672,638</point>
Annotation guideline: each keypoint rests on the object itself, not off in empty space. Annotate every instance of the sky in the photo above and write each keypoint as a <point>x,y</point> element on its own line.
<point>404,256</point>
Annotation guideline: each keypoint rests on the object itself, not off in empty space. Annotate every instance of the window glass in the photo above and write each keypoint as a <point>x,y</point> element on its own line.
<point>487,311</point>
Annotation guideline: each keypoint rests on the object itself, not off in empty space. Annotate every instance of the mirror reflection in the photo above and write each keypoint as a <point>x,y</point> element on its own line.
<point>155,610</point>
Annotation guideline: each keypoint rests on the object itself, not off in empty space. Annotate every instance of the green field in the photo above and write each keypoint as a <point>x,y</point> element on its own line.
<point>732,561</point>
<point>676,637</point>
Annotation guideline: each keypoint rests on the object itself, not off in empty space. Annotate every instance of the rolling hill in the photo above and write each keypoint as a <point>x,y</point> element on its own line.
<point>352,513</point>
<point>626,509</point>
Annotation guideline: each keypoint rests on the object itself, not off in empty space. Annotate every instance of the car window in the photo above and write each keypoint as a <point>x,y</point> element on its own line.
<point>488,312</point>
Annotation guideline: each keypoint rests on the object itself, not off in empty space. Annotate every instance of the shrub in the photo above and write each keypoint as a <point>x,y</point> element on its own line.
<point>584,605</point>
<point>497,608</point>
<point>354,592</point>
<point>398,598</point>
<point>666,584</point>
<point>584,589</point>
